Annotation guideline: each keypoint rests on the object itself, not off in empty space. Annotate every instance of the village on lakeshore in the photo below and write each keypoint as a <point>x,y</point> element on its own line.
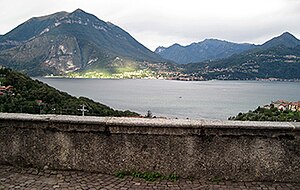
<point>284,105</point>
<point>6,90</point>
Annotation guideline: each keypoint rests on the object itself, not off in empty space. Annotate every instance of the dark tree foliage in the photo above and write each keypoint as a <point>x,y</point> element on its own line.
<point>263,114</point>
<point>33,96</point>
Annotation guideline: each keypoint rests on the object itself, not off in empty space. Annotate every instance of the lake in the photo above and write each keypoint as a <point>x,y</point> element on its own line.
<point>179,99</point>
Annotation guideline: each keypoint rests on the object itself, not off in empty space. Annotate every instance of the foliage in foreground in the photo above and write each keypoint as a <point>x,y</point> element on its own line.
<point>263,114</point>
<point>148,176</point>
<point>33,96</point>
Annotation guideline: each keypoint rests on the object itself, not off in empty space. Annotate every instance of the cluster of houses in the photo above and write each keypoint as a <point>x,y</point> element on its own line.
<point>6,90</point>
<point>284,105</point>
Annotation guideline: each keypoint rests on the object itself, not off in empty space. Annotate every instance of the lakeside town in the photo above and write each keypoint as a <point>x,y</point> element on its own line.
<point>160,75</point>
<point>6,90</point>
<point>284,105</point>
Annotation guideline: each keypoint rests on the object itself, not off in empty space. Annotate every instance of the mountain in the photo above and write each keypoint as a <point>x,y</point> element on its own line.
<point>286,39</point>
<point>33,96</point>
<point>209,49</point>
<point>66,42</point>
<point>277,58</point>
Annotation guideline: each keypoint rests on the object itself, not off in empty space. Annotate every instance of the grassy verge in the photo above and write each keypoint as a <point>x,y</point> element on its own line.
<point>148,176</point>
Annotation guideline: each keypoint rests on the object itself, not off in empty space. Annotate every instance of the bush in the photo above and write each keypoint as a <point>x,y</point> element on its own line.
<point>273,114</point>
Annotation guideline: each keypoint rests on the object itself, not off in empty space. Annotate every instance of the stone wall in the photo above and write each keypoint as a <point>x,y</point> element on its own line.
<point>230,150</point>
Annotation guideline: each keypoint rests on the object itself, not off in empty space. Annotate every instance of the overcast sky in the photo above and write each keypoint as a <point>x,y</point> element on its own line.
<point>165,22</point>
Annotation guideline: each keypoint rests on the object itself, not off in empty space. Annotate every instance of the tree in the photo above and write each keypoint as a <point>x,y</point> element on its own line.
<point>149,114</point>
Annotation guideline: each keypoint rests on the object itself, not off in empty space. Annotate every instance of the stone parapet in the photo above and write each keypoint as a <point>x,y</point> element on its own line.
<point>205,149</point>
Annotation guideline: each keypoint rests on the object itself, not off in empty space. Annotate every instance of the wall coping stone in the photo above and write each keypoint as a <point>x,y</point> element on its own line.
<point>157,126</point>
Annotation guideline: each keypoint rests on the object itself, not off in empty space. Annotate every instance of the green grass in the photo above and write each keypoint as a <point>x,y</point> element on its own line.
<point>216,179</point>
<point>148,176</point>
<point>122,174</point>
<point>190,178</point>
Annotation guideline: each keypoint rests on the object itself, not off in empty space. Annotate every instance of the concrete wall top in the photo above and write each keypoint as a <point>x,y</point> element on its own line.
<point>153,126</point>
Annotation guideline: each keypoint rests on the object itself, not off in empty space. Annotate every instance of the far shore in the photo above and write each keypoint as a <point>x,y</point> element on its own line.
<point>168,78</point>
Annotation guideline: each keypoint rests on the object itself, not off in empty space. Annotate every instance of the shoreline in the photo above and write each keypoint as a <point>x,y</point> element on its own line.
<point>185,79</point>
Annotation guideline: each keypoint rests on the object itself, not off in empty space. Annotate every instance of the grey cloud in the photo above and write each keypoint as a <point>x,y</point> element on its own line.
<point>153,24</point>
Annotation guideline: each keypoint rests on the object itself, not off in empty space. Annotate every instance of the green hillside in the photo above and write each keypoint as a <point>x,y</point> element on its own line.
<point>263,114</point>
<point>276,62</point>
<point>277,58</point>
<point>32,96</point>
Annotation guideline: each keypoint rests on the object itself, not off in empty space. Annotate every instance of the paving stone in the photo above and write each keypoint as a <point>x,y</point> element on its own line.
<point>32,179</point>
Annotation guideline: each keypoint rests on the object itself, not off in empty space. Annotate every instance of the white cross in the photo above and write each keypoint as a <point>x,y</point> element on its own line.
<point>83,109</point>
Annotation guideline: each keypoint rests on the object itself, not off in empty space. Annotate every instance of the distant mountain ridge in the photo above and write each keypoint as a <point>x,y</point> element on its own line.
<point>66,42</point>
<point>80,44</point>
<point>214,49</point>
<point>209,49</point>
<point>286,39</point>
<point>278,58</point>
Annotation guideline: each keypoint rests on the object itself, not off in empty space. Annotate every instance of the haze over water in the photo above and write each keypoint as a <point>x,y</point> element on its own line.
<point>194,100</point>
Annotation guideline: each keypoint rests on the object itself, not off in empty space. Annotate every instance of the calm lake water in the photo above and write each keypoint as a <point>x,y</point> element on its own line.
<point>194,100</point>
